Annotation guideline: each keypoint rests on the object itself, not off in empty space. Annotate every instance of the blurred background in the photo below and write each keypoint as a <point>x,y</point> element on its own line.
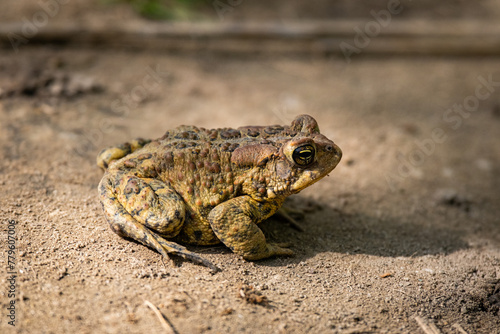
<point>264,10</point>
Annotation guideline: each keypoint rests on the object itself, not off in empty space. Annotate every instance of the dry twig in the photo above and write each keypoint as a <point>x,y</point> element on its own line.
<point>166,324</point>
<point>427,327</point>
<point>459,328</point>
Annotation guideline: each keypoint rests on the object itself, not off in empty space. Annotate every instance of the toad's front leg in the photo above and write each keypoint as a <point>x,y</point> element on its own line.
<point>234,223</point>
<point>145,210</point>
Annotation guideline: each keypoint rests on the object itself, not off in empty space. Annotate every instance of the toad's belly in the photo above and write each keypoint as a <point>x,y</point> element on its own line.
<point>196,231</point>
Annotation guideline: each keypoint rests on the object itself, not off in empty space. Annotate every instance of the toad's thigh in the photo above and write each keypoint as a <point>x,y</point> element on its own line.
<point>152,203</point>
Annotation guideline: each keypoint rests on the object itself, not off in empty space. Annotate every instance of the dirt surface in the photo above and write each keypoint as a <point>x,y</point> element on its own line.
<point>405,230</point>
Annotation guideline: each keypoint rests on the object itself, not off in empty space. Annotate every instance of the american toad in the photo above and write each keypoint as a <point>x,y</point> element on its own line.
<point>203,187</point>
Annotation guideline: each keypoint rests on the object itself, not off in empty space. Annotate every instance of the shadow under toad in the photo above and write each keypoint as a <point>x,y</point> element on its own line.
<point>331,230</point>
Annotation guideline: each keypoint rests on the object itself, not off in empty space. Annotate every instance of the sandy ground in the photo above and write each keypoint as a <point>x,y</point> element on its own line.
<point>405,229</point>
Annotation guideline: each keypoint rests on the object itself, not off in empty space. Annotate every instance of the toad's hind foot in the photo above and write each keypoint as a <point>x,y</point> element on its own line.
<point>154,241</point>
<point>173,248</point>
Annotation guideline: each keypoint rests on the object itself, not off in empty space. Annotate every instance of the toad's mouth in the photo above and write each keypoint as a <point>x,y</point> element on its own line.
<point>306,179</point>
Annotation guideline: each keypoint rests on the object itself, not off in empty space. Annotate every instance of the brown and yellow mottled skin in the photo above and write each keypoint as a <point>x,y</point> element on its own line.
<point>202,187</point>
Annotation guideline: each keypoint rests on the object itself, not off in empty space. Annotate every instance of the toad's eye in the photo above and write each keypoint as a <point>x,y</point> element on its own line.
<point>304,155</point>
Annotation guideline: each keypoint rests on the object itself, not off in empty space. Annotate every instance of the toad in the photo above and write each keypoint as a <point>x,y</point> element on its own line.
<point>208,186</point>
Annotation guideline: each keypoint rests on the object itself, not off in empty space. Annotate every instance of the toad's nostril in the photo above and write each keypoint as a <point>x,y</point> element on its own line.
<point>329,148</point>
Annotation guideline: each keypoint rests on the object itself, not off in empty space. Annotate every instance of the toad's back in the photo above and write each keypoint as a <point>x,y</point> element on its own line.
<point>197,161</point>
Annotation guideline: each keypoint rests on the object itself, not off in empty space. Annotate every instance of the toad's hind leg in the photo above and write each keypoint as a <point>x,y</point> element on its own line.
<point>144,209</point>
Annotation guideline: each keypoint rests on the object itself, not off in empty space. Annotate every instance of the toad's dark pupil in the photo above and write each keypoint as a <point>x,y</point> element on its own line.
<point>303,155</point>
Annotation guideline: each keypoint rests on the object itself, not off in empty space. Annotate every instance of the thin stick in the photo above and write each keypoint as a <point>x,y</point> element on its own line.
<point>427,327</point>
<point>459,328</point>
<point>289,219</point>
<point>168,327</point>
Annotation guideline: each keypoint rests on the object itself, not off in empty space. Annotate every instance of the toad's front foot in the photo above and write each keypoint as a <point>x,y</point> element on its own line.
<point>272,249</point>
<point>234,223</point>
